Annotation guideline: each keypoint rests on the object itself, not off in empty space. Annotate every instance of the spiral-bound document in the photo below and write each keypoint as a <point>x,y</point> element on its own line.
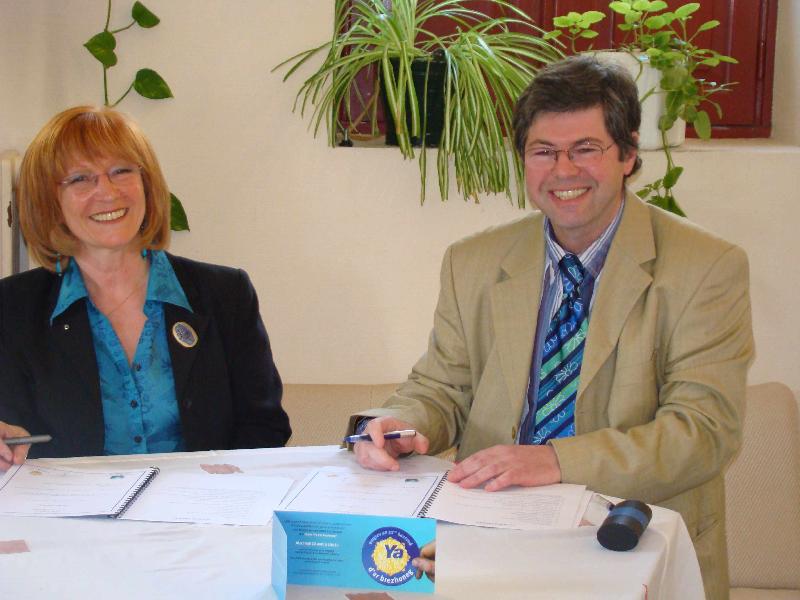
<point>341,490</point>
<point>37,490</point>
<point>42,491</point>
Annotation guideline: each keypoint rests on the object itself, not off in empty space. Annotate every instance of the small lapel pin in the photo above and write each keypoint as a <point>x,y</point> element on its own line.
<point>184,334</point>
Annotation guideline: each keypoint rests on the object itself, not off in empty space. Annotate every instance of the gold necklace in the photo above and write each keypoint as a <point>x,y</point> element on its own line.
<point>137,287</point>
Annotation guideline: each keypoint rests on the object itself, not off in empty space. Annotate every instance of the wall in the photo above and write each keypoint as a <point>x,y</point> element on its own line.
<point>344,258</point>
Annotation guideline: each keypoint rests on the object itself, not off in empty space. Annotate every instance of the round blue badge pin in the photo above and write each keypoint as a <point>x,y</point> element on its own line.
<point>184,334</point>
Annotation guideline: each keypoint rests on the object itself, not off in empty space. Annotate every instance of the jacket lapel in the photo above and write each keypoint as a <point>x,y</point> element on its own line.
<point>515,305</point>
<point>183,357</point>
<point>622,283</point>
<point>73,346</point>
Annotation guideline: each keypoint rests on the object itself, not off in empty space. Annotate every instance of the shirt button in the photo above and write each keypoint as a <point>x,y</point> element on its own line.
<point>137,366</point>
<point>138,439</point>
<point>134,404</point>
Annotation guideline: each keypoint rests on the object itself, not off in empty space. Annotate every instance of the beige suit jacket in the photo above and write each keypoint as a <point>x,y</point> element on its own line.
<point>659,408</point>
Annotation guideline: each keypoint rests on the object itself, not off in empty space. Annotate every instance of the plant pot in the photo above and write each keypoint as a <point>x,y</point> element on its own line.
<point>434,106</point>
<point>647,78</point>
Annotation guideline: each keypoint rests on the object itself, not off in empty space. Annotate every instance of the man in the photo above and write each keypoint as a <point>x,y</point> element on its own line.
<point>601,341</point>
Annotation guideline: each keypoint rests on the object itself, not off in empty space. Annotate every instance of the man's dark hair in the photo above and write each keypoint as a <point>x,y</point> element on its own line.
<point>578,83</point>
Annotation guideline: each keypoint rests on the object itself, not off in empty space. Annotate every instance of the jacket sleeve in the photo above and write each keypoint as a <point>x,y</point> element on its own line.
<point>17,406</point>
<point>256,386</point>
<point>701,383</point>
<point>15,402</point>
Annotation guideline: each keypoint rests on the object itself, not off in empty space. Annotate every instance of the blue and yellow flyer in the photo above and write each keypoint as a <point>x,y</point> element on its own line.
<point>348,551</point>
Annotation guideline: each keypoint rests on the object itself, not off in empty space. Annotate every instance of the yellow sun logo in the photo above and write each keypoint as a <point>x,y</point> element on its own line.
<point>390,556</point>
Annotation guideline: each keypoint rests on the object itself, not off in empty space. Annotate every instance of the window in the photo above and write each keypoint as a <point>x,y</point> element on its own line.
<point>746,32</point>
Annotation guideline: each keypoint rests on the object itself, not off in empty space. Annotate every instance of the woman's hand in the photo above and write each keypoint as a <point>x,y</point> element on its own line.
<point>12,455</point>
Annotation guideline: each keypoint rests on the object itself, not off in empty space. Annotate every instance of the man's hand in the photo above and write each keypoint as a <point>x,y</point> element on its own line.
<point>426,561</point>
<point>380,454</point>
<point>503,466</point>
<point>12,455</point>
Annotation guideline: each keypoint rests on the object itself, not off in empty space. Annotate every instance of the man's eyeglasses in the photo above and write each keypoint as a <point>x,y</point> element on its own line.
<point>84,182</point>
<point>583,154</point>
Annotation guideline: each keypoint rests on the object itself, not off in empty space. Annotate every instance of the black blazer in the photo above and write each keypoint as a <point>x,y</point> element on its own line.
<point>227,387</point>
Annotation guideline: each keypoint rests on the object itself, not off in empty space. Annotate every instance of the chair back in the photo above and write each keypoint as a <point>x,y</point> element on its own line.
<point>319,412</point>
<point>763,493</point>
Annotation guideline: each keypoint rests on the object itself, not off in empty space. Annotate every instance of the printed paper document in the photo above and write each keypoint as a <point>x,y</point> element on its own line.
<point>339,490</point>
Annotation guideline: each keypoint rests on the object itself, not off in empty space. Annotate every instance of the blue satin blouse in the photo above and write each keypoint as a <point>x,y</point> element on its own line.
<point>140,410</point>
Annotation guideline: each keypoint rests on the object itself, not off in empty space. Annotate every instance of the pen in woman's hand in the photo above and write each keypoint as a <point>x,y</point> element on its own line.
<point>389,435</point>
<point>30,439</point>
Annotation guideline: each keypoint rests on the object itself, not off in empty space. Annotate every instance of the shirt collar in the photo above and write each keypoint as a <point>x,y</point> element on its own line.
<point>72,289</point>
<point>594,257</point>
<point>162,285</point>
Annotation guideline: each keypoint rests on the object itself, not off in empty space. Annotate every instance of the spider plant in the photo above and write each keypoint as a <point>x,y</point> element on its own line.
<point>488,62</point>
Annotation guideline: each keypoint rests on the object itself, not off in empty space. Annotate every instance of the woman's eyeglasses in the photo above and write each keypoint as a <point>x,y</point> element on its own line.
<point>84,182</point>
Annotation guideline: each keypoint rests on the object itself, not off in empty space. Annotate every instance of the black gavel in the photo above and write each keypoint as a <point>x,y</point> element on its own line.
<point>624,525</point>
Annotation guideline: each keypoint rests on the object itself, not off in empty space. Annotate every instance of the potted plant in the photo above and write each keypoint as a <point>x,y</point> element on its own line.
<point>486,64</point>
<point>660,39</point>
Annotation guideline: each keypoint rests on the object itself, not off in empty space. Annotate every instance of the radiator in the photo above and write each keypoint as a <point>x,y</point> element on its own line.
<point>13,257</point>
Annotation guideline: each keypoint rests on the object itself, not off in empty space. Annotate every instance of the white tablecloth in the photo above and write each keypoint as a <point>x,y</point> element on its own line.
<point>106,558</point>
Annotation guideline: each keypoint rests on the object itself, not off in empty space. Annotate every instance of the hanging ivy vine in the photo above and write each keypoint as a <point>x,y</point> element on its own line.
<point>147,82</point>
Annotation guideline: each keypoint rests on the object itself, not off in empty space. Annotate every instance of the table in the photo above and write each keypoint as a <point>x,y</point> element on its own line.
<point>106,558</point>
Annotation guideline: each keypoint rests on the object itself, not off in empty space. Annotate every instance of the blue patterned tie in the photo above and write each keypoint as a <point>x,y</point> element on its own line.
<point>562,354</point>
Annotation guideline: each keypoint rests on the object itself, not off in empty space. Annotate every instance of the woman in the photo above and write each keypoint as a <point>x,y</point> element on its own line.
<point>115,346</point>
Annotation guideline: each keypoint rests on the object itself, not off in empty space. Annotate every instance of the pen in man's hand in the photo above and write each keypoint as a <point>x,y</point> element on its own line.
<point>30,439</point>
<point>389,435</point>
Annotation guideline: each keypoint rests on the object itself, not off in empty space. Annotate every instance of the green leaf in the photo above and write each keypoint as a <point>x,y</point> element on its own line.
<point>632,17</point>
<point>687,9</point>
<point>674,78</point>
<point>624,27</point>
<point>659,201</point>
<point>150,85</point>
<point>727,59</point>
<point>710,62</point>
<point>655,22</point>
<point>702,124</point>
<point>653,52</point>
<point>665,122</point>
<point>672,176</point>
<point>591,17</point>
<point>551,35</point>
<point>645,39</point>
<point>101,46</point>
<point>672,206</point>
<point>143,16</point>
<point>177,216</point>
<point>669,16</point>
<point>657,5</point>
<point>589,34</point>
<point>662,38</point>
<point>643,193</point>
<point>621,8</point>
<point>562,21</point>
<point>708,25</point>
<point>641,5</point>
